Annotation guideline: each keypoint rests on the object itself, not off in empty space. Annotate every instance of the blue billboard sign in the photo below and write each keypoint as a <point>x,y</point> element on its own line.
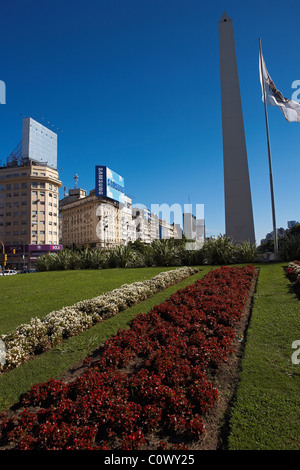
<point>109,184</point>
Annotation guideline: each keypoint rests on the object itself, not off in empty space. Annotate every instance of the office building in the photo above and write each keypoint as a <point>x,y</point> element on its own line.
<point>292,223</point>
<point>95,221</point>
<point>29,197</point>
<point>29,207</point>
<point>39,144</point>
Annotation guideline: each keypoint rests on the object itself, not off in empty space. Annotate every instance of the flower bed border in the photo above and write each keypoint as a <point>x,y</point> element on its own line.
<point>31,339</point>
<point>134,438</point>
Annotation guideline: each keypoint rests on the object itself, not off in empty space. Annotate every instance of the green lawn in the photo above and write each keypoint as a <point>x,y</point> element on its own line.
<point>25,296</point>
<point>54,362</point>
<point>266,415</point>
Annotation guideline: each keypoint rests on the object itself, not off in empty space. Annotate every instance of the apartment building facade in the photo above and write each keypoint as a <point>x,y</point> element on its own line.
<point>97,222</point>
<point>146,225</point>
<point>29,211</point>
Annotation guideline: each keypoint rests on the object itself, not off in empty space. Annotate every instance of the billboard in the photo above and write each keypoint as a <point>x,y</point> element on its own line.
<point>39,143</point>
<point>109,184</point>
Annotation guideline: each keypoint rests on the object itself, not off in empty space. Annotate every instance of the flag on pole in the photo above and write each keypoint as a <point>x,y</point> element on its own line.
<point>289,108</point>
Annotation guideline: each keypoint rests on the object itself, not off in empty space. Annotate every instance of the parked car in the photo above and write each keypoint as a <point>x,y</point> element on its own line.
<point>9,272</point>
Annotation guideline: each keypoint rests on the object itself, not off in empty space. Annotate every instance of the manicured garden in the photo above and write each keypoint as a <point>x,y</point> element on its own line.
<point>155,375</point>
<point>55,361</point>
<point>39,335</point>
<point>163,395</point>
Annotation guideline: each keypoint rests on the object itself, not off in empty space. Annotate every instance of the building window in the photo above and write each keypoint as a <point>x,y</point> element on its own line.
<point>24,185</point>
<point>16,186</point>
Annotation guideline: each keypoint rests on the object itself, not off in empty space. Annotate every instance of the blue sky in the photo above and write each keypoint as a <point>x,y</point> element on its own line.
<point>135,85</point>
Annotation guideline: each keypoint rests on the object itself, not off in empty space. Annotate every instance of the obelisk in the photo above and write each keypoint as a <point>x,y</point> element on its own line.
<point>239,223</point>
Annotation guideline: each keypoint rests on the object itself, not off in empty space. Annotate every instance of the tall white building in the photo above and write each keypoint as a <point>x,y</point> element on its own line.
<point>189,226</point>
<point>39,143</point>
<point>142,220</point>
<point>127,224</point>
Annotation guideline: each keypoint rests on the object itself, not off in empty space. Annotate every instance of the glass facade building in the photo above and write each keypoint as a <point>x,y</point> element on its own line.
<point>39,143</point>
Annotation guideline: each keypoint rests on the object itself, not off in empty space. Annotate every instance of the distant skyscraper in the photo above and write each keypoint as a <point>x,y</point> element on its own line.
<point>238,205</point>
<point>39,143</point>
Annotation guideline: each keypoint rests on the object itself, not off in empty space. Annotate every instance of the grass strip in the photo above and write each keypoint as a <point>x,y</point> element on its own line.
<point>25,296</point>
<point>266,414</point>
<point>54,362</point>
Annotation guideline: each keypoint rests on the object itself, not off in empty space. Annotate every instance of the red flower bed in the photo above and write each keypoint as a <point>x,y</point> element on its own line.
<point>151,379</point>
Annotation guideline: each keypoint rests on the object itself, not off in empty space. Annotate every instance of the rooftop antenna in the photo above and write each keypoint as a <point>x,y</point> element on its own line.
<point>76,180</point>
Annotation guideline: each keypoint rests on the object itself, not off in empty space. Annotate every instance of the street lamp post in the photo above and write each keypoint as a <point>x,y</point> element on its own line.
<point>104,228</point>
<point>3,252</point>
<point>19,238</point>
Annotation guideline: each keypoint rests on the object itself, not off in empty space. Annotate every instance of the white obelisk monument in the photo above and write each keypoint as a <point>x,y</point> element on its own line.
<point>238,205</point>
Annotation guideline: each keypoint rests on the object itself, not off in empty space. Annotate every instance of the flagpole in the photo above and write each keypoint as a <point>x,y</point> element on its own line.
<point>269,153</point>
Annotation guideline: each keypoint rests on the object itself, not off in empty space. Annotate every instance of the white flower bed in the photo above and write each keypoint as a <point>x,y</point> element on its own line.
<point>39,335</point>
